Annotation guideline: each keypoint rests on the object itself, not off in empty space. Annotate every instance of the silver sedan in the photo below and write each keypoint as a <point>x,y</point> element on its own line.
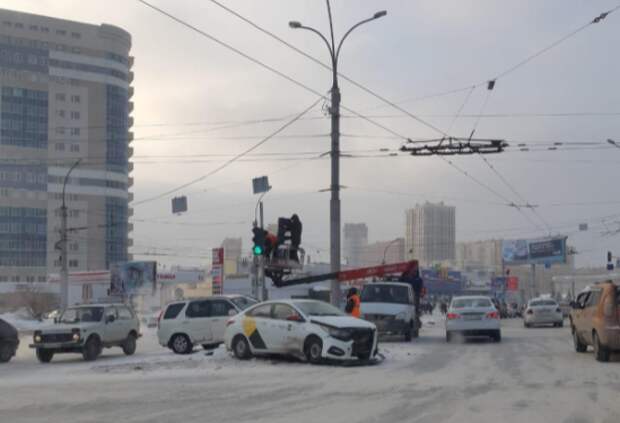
<point>543,311</point>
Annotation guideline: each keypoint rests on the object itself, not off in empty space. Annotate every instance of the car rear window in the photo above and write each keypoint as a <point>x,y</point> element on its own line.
<point>471,302</point>
<point>173,310</point>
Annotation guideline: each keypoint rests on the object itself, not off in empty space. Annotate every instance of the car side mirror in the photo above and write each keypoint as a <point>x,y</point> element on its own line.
<point>55,320</point>
<point>294,318</point>
<point>110,319</point>
<point>232,312</point>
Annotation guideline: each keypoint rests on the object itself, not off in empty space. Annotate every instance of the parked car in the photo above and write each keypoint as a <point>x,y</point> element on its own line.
<point>9,341</point>
<point>389,305</point>
<point>87,329</point>
<point>595,320</point>
<point>543,311</point>
<point>314,330</point>
<point>473,316</point>
<point>198,321</point>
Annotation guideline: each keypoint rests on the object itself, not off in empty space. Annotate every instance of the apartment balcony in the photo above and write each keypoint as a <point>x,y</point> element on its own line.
<point>129,242</point>
<point>130,197</point>
<point>129,152</point>
<point>129,137</point>
<point>131,60</point>
<point>130,227</point>
<point>130,77</point>
<point>130,92</point>
<point>129,182</point>
<point>130,122</point>
<point>129,167</point>
<point>130,211</point>
<point>130,108</point>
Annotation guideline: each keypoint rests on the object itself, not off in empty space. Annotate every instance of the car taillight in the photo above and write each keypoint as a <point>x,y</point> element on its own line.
<point>492,315</point>
<point>453,316</point>
<point>530,311</point>
<point>230,322</point>
<point>161,313</point>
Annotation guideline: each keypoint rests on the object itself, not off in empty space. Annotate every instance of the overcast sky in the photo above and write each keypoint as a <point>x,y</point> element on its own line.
<point>420,48</point>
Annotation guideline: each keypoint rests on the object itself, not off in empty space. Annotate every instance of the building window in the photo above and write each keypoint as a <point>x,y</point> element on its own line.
<point>34,27</point>
<point>42,279</point>
<point>19,25</point>
<point>60,130</point>
<point>73,263</point>
<point>8,23</point>
<point>76,35</point>
<point>45,29</point>
<point>60,97</point>
<point>75,148</point>
<point>14,278</point>
<point>75,131</point>
<point>74,246</point>
<point>60,146</point>
<point>75,99</point>
<point>61,32</point>
<point>75,115</point>
<point>30,279</point>
<point>60,113</point>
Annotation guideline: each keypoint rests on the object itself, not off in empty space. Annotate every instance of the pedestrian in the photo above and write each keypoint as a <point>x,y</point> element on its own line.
<point>353,303</point>
<point>295,228</point>
<point>443,307</point>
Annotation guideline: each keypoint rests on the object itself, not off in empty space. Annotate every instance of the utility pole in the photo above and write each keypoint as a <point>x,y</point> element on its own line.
<point>64,272</point>
<point>334,110</point>
<point>262,288</point>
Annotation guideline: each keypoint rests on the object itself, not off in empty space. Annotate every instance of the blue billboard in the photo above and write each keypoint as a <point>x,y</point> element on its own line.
<point>436,283</point>
<point>534,251</point>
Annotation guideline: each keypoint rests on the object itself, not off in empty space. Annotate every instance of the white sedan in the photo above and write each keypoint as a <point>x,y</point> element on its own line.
<point>309,329</point>
<point>543,311</point>
<point>473,316</point>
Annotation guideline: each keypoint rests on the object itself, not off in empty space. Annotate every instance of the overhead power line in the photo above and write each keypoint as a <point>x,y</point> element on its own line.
<point>232,160</point>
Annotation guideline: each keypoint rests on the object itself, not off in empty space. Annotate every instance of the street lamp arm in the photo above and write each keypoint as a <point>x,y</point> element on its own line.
<point>329,47</point>
<point>64,185</point>
<point>376,16</point>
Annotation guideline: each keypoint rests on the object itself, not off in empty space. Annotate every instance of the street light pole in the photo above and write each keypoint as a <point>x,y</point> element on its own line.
<point>64,273</point>
<point>334,205</point>
<point>392,242</point>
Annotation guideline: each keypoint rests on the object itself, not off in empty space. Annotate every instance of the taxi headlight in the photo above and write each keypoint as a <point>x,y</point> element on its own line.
<point>37,338</point>
<point>76,335</point>
<point>341,334</point>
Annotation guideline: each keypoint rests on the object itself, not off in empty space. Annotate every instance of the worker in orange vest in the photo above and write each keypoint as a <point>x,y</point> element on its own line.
<point>353,303</point>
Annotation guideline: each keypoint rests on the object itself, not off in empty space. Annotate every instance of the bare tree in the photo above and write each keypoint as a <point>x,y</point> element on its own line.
<point>36,301</point>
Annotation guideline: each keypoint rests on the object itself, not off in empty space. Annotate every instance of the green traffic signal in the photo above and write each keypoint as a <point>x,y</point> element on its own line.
<point>258,250</point>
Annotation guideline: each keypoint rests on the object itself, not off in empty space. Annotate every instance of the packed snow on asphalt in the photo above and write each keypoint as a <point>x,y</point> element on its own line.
<point>533,375</point>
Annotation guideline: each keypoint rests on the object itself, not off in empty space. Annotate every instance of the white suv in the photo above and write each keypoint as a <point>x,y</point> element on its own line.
<point>202,321</point>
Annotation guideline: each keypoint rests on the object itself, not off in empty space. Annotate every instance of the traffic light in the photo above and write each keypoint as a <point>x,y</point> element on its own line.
<point>259,239</point>
<point>608,256</point>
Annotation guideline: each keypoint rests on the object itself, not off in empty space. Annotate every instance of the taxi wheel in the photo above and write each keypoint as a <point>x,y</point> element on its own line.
<point>241,348</point>
<point>129,346</point>
<point>313,349</point>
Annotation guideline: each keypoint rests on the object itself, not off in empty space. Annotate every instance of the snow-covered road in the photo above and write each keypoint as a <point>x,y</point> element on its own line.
<point>534,375</point>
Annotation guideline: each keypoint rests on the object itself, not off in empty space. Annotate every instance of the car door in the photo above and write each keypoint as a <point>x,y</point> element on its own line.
<point>196,323</point>
<point>125,320</point>
<point>588,314</point>
<point>218,316</point>
<point>287,329</point>
<point>256,327</point>
<point>112,327</point>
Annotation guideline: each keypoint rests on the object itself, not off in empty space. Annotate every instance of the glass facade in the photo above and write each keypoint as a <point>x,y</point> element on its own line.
<point>117,108</point>
<point>64,64</point>
<point>23,121</point>
<point>29,177</point>
<point>24,58</point>
<point>116,230</point>
<point>23,236</point>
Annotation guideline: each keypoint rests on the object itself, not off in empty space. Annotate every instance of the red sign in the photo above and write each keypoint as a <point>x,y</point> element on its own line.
<point>217,271</point>
<point>382,270</point>
<point>512,283</point>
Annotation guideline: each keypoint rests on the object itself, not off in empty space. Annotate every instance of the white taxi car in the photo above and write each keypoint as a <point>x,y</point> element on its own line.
<point>473,316</point>
<point>309,329</point>
<point>543,311</point>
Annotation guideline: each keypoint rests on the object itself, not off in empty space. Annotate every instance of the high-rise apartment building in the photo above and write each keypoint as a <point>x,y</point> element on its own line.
<point>355,242</point>
<point>65,96</point>
<point>431,233</point>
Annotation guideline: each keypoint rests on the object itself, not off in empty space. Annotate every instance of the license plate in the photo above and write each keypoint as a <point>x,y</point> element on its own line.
<point>473,317</point>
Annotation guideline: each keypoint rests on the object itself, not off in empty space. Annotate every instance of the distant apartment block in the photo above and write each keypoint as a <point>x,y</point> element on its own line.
<point>430,233</point>
<point>354,243</point>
